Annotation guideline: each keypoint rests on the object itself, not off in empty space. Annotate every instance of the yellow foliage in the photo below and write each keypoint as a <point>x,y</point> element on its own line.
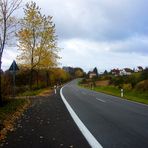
<point>37,39</point>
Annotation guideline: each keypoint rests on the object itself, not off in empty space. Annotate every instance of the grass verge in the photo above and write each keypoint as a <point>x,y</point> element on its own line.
<point>141,97</point>
<point>14,108</point>
<point>34,92</point>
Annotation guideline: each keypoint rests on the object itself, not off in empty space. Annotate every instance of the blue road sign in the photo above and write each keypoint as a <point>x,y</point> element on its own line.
<point>13,66</point>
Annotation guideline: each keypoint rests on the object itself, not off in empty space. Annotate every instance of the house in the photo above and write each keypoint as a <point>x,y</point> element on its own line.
<point>125,72</point>
<point>91,74</point>
<point>122,72</point>
<point>138,69</point>
<point>115,72</point>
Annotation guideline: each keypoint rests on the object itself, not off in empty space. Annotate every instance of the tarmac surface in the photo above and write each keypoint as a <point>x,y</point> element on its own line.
<point>113,121</point>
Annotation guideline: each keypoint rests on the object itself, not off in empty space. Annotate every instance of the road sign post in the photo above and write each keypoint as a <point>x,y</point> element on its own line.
<point>14,84</point>
<point>13,68</point>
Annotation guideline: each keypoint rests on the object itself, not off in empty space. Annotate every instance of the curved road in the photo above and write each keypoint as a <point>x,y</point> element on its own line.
<point>114,122</point>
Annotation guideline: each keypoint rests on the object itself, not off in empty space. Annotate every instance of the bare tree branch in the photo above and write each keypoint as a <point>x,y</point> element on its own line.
<point>7,7</point>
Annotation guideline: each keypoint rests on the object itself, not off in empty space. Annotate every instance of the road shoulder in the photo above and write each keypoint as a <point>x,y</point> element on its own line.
<point>46,123</point>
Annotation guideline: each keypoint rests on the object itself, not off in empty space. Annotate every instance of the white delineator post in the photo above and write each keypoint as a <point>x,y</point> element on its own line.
<point>55,90</point>
<point>122,93</point>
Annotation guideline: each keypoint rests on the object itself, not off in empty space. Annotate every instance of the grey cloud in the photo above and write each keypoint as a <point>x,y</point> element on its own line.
<point>136,44</point>
<point>98,19</point>
<point>100,30</point>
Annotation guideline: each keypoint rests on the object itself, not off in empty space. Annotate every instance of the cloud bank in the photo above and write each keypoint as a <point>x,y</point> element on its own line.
<point>100,32</point>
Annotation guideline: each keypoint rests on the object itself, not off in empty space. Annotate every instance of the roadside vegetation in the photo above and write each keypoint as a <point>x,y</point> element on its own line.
<point>37,71</point>
<point>38,52</point>
<point>135,86</point>
<point>34,35</point>
<point>10,107</point>
<point>9,113</point>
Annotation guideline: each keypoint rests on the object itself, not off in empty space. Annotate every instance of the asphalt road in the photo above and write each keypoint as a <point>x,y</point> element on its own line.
<point>114,122</point>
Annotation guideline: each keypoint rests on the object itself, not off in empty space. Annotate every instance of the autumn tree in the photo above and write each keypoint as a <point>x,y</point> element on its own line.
<point>79,72</point>
<point>37,40</point>
<point>58,76</point>
<point>7,26</point>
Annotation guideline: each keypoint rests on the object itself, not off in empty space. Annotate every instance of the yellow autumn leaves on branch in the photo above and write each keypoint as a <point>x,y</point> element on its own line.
<point>37,39</point>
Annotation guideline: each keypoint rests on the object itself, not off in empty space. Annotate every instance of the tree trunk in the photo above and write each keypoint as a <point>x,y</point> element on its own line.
<point>1,102</point>
<point>47,78</point>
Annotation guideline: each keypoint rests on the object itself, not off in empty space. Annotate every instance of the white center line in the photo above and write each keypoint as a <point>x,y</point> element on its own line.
<point>101,100</point>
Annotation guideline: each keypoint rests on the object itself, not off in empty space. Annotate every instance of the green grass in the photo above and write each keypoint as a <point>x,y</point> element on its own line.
<point>141,97</point>
<point>109,90</point>
<point>10,107</point>
<point>31,93</point>
<point>137,74</point>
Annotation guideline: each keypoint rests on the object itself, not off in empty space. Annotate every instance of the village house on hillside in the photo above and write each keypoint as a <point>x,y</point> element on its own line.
<point>115,72</point>
<point>125,71</point>
<point>91,74</point>
<point>138,69</point>
<point>122,72</point>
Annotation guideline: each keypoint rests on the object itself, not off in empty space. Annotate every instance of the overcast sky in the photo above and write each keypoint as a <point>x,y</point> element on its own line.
<point>98,33</point>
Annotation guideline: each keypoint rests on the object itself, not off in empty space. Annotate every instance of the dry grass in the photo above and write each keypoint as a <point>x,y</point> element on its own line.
<point>102,83</point>
<point>46,92</point>
<point>11,117</point>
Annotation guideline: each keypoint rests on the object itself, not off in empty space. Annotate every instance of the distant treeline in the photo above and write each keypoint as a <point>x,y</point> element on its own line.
<point>42,78</point>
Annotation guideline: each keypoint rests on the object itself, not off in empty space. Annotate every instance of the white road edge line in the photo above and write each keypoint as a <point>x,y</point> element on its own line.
<point>101,100</point>
<point>89,137</point>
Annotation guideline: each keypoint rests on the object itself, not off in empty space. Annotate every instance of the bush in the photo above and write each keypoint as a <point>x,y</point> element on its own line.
<point>105,77</point>
<point>121,80</point>
<point>83,81</point>
<point>127,86</point>
<point>117,81</point>
<point>144,74</point>
<point>142,86</point>
<point>39,86</point>
<point>21,89</point>
<point>7,86</point>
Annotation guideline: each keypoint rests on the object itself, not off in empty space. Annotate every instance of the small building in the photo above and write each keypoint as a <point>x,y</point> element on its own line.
<point>115,72</point>
<point>91,74</point>
<point>122,72</point>
<point>138,69</point>
<point>125,72</point>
